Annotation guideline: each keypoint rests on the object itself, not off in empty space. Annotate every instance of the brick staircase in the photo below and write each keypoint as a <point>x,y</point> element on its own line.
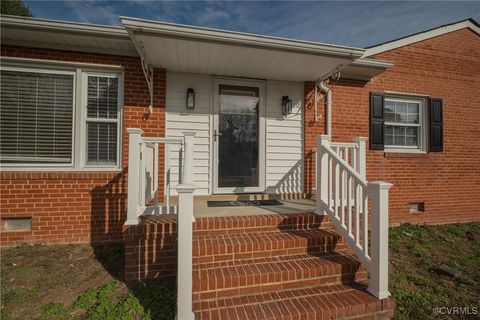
<point>275,266</point>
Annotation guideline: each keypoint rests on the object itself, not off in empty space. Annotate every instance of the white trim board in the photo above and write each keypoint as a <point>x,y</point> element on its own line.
<point>470,24</point>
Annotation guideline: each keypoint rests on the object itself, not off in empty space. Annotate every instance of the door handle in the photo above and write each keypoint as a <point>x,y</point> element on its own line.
<point>216,134</point>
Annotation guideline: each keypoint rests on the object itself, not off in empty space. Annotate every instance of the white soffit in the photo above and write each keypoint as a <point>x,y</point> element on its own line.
<point>365,69</point>
<point>187,49</point>
<point>63,35</point>
<point>421,36</point>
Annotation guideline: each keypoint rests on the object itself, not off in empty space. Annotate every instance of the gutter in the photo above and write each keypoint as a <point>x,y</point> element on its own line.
<point>35,24</point>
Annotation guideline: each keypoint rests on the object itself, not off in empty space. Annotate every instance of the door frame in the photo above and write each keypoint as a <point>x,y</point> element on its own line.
<point>262,86</point>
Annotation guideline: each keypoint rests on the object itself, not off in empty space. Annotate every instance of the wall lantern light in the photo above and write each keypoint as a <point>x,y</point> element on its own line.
<point>286,105</point>
<point>190,98</point>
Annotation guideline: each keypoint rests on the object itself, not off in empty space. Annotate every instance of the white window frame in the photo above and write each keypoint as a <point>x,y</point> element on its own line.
<point>80,91</point>
<point>85,119</point>
<point>422,124</point>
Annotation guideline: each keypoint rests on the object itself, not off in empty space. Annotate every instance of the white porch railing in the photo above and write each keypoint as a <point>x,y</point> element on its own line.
<point>143,188</point>
<point>345,196</point>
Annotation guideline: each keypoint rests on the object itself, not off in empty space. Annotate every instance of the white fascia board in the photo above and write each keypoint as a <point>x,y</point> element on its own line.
<point>372,63</point>
<point>421,36</point>
<point>61,26</point>
<point>238,38</point>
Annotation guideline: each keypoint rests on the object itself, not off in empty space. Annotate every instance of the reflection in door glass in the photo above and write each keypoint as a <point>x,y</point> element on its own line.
<point>238,139</point>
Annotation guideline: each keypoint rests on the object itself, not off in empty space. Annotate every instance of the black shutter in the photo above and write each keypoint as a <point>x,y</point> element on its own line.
<point>436,125</point>
<point>377,101</point>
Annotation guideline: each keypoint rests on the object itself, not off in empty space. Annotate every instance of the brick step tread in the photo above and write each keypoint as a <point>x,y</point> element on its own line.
<point>158,226</point>
<point>265,222</point>
<point>320,302</point>
<point>274,273</point>
<point>266,242</point>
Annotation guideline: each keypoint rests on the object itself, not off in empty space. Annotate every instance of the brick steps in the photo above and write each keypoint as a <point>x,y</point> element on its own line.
<point>276,266</point>
<point>231,278</point>
<point>321,302</point>
<point>222,247</point>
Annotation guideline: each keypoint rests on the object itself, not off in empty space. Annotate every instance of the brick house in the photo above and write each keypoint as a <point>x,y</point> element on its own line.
<point>201,116</point>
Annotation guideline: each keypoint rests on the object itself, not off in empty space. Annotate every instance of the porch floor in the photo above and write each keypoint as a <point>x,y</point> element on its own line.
<point>200,208</point>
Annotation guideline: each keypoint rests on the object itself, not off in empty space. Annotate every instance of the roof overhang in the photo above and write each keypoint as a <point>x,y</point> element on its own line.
<point>198,50</point>
<point>62,35</point>
<point>365,69</point>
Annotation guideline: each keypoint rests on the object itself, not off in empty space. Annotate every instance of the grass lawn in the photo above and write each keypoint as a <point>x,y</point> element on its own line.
<point>435,266</point>
<point>431,266</point>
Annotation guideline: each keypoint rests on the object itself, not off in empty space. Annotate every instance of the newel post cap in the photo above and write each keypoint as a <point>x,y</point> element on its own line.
<point>380,185</point>
<point>135,130</point>
<point>186,188</point>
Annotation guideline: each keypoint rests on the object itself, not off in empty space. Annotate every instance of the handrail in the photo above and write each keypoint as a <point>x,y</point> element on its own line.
<point>344,144</point>
<point>343,193</point>
<point>346,166</point>
<point>162,140</point>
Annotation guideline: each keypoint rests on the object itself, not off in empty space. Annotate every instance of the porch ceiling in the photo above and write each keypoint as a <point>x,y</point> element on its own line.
<point>189,49</point>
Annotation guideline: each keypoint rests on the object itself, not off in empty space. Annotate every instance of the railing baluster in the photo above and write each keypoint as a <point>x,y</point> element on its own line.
<point>349,204</point>
<point>357,216</point>
<point>167,177</point>
<point>330,179</point>
<point>143,173</point>
<point>342,195</point>
<point>354,158</point>
<point>337,191</point>
<point>155,176</point>
<point>365,225</point>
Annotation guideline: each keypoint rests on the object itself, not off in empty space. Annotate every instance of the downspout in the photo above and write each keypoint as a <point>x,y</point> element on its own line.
<point>326,90</point>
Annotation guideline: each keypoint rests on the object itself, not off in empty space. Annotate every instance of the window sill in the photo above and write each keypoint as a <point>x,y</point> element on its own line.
<point>404,154</point>
<point>399,150</point>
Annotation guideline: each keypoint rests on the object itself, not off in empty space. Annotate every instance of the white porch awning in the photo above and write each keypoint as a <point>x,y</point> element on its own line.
<point>197,50</point>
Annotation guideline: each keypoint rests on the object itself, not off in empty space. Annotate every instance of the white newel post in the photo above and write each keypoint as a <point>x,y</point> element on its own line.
<point>134,138</point>
<point>321,168</point>
<point>184,232</point>
<point>361,156</point>
<point>378,192</point>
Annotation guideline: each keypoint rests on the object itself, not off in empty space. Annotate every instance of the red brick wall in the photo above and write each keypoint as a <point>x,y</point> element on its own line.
<point>448,182</point>
<point>82,206</point>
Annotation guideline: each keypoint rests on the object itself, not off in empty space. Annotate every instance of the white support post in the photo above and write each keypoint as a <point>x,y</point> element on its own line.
<point>134,138</point>
<point>321,173</point>
<point>378,192</point>
<point>184,271</point>
<point>361,156</point>
<point>184,232</point>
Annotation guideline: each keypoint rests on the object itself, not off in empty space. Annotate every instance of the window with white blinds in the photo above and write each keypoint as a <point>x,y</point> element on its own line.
<point>36,117</point>
<point>102,120</point>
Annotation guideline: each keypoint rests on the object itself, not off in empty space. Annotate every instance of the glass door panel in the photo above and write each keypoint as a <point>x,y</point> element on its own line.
<point>237,137</point>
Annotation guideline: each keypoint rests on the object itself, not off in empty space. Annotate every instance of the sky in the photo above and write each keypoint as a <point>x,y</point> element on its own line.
<point>351,23</point>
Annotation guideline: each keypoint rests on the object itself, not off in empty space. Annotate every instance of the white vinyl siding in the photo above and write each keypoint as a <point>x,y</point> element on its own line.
<point>36,117</point>
<point>180,120</point>
<point>284,135</point>
<point>284,147</point>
